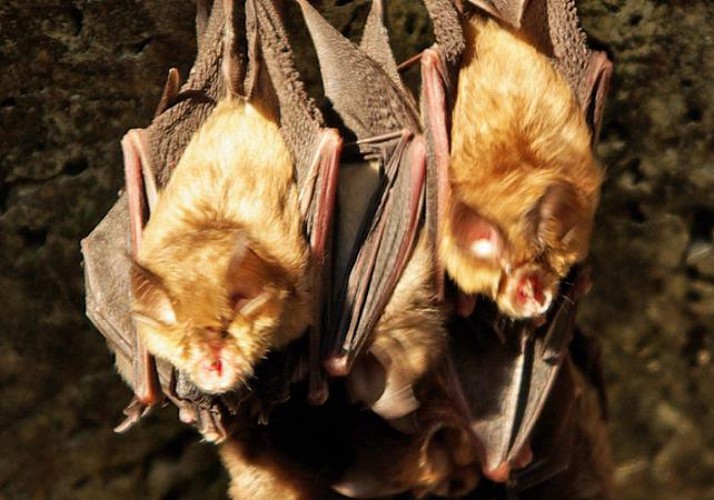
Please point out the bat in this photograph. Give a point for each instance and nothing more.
(523, 180)
(389, 342)
(387, 328)
(504, 376)
(478, 63)
(235, 276)
(210, 293)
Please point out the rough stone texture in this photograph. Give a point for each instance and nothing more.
(77, 74)
(653, 303)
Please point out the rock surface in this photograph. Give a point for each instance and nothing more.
(78, 73)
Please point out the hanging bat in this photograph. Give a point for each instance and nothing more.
(389, 338)
(523, 180)
(505, 126)
(211, 295)
(388, 328)
(230, 266)
(505, 378)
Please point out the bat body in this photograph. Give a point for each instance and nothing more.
(524, 183)
(511, 115)
(409, 337)
(389, 328)
(264, 474)
(407, 341)
(221, 275)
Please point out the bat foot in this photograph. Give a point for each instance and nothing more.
(319, 392)
(135, 411)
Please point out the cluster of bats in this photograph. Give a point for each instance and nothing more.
(375, 297)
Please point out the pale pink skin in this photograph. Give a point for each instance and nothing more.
(215, 368)
(528, 290)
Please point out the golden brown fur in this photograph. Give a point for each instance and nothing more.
(410, 337)
(266, 474)
(521, 159)
(223, 261)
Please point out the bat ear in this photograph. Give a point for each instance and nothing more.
(379, 382)
(476, 234)
(152, 303)
(556, 216)
(597, 78)
(449, 456)
(247, 277)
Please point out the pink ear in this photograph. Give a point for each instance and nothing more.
(151, 301)
(476, 235)
(558, 212)
(245, 276)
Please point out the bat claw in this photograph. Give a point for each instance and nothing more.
(135, 411)
(337, 365)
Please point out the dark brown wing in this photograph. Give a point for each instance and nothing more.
(571, 448)
(375, 44)
(439, 72)
(386, 124)
(507, 371)
(316, 151)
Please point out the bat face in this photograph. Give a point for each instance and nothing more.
(523, 180)
(221, 272)
(213, 332)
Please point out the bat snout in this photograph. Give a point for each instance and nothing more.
(215, 372)
(528, 294)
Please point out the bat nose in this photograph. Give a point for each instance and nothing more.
(530, 297)
(214, 373)
(216, 367)
(530, 289)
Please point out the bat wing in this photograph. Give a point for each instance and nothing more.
(386, 124)
(316, 151)
(570, 443)
(489, 373)
(375, 44)
(507, 372)
(439, 70)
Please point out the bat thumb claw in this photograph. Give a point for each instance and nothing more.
(134, 412)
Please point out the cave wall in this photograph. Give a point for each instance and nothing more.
(77, 74)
